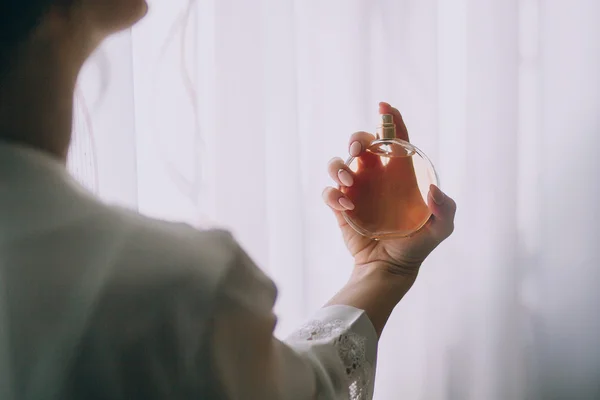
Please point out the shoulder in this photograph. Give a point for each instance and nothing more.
(152, 265)
(162, 278)
(176, 266)
(155, 313)
(150, 252)
(150, 324)
(169, 249)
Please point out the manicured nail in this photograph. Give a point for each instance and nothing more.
(345, 178)
(347, 204)
(438, 196)
(355, 149)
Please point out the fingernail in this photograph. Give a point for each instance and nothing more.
(438, 196)
(345, 177)
(355, 149)
(347, 204)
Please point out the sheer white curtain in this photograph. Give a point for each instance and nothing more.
(225, 112)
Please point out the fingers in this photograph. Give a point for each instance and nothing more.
(340, 173)
(359, 142)
(337, 200)
(401, 131)
(444, 210)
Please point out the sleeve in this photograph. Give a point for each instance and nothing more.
(332, 356)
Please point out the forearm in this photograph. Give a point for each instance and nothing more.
(375, 291)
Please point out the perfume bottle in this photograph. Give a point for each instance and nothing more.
(391, 184)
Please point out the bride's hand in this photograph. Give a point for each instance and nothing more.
(397, 256)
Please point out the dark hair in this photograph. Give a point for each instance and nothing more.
(18, 18)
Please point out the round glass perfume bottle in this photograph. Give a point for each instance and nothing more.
(391, 184)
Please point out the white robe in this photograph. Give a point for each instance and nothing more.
(98, 302)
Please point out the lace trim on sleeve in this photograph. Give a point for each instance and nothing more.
(351, 349)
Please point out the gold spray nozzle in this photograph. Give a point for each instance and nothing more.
(387, 129)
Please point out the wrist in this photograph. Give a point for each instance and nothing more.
(390, 276)
(375, 292)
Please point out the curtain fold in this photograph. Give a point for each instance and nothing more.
(226, 112)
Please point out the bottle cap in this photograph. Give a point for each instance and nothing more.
(387, 129)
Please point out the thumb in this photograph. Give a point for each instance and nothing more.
(443, 209)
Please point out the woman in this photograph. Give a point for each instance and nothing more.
(102, 303)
